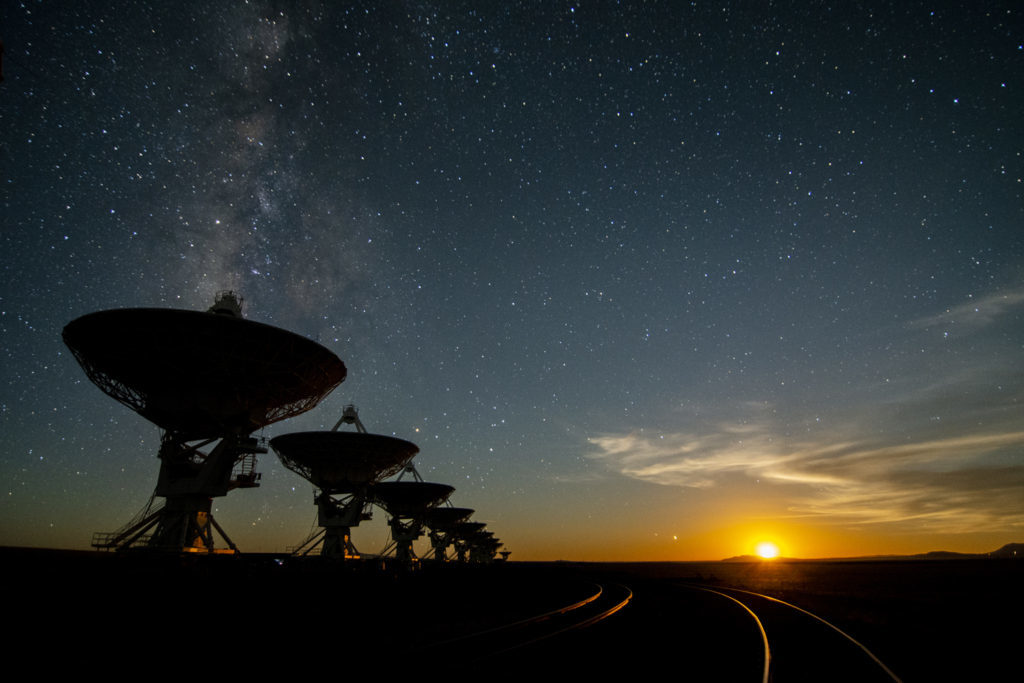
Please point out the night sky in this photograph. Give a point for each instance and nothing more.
(643, 281)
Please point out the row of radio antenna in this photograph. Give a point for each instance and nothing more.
(213, 378)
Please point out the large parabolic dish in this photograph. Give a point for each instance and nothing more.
(410, 498)
(202, 375)
(444, 518)
(466, 530)
(339, 462)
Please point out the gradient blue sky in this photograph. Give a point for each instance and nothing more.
(648, 281)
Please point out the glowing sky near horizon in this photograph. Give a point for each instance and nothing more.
(661, 281)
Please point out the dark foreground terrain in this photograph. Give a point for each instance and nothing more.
(926, 620)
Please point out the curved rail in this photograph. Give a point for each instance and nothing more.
(767, 656)
(764, 636)
(832, 626)
(528, 620)
(506, 637)
(604, 614)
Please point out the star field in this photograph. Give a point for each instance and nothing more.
(623, 272)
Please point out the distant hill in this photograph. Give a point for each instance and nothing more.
(751, 558)
(1010, 550)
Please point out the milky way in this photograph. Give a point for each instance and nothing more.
(628, 275)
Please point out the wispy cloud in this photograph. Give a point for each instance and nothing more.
(949, 485)
(937, 446)
(687, 459)
(973, 314)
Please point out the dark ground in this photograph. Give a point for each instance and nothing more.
(927, 620)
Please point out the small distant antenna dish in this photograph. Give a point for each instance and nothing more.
(410, 498)
(341, 462)
(442, 521)
(445, 518)
(480, 544)
(342, 465)
(203, 378)
(465, 536)
(408, 503)
(484, 549)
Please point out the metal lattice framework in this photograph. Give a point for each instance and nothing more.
(442, 521)
(445, 518)
(202, 375)
(339, 462)
(343, 465)
(408, 503)
(410, 499)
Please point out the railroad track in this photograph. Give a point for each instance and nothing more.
(538, 631)
(798, 645)
(702, 632)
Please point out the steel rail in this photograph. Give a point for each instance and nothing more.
(600, 616)
(544, 616)
(764, 636)
(536, 620)
(835, 628)
(527, 620)
(589, 621)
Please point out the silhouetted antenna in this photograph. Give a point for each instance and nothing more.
(408, 503)
(442, 522)
(203, 377)
(342, 466)
(473, 542)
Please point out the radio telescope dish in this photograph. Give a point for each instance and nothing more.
(199, 374)
(410, 498)
(467, 529)
(484, 549)
(342, 465)
(445, 518)
(201, 377)
(441, 521)
(462, 534)
(342, 461)
(408, 502)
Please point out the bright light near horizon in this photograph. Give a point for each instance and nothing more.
(767, 550)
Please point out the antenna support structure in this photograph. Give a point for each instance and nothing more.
(208, 380)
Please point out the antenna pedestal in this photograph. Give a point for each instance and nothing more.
(337, 517)
(187, 525)
(187, 471)
(403, 534)
(189, 481)
(439, 544)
